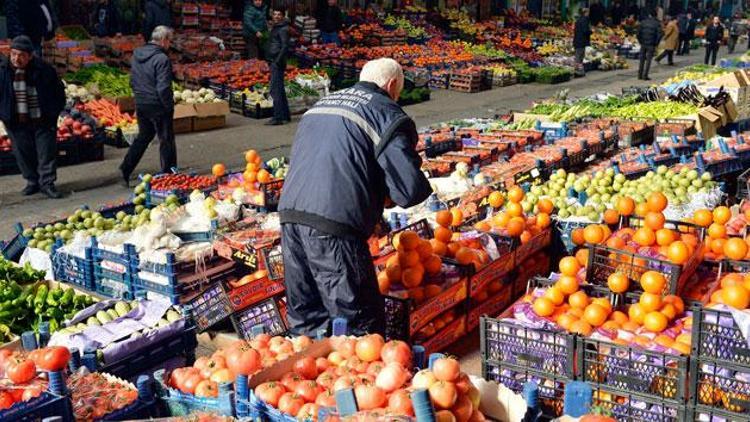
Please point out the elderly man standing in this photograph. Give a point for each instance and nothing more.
(151, 80)
(31, 98)
(354, 152)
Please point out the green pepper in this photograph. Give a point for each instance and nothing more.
(56, 313)
(41, 296)
(7, 315)
(21, 298)
(67, 297)
(57, 292)
(53, 325)
(89, 300)
(51, 301)
(79, 301)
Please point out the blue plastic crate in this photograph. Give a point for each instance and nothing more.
(72, 269)
(13, 248)
(111, 211)
(564, 230)
(182, 404)
(112, 283)
(47, 404)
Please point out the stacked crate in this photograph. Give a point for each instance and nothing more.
(466, 81)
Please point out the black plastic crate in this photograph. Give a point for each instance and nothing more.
(265, 313)
(722, 387)
(743, 185)
(274, 262)
(635, 407)
(271, 194)
(701, 413)
(634, 370)
(717, 336)
(420, 227)
(551, 387)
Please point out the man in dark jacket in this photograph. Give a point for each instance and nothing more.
(105, 18)
(596, 13)
(31, 98)
(278, 49)
(151, 80)
(254, 24)
(649, 35)
(682, 26)
(158, 13)
(581, 37)
(354, 152)
(329, 23)
(617, 13)
(692, 22)
(714, 35)
(736, 28)
(33, 18)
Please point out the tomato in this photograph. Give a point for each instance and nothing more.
(290, 403)
(392, 377)
(463, 409)
(260, 341)
(207, 388)
(32, 392)
(374, 368)
(301, 343)
(6, 400)
(368, 348)
(326, 380)
(344, 382)
(36, 356)
(357, 365)
(400, 403)
(270, 392)
(290, 380)
(322, 364)
(463, 383)
(336, 359)
(243, 361)
(21, 371)
(280, 346)
(201, 362)
(369, 397)
(306, 368)
(444, 416)
(190, 383)
(54, 358)
(309, 411)
(346, 347)
(177, 377)
(446, 369)
(308, 390)
(326, 399)
(5, 356)
(423, 379)
(397, 351)
(221, 375)
(443, 394)
(213, 365)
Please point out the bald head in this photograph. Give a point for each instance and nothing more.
(385, 73)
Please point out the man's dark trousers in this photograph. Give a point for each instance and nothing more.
(328, 277)
(35, 149)
(280, 103)
(711, 51)
(647, 53)
(152, 123)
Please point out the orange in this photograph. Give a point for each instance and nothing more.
(615, 242)
(657, 202)
(424, 249)
(393, 272)
(703, 218)
(496, 199)
(654, 220)
(625, 206)
(545, 206)
(595, 315)
(515, 194)
(606, 230)
(653, 282)
(457, 217)
(682, 348)
(578, 299)
(453, 247)
(576, 312)
(218, 170)
(408, 240)
(675, 301)
(555, 295)
(678, 252)
(442, 234)
(568, 284)
(650, 301)
(618, 282)
(384, 282)
(664, 237)
(515, 226)
(252, 167)
(582, 256)
(249, 176)
(569, 266)
(593, 234)
(264, 176)
(611, 326)
(619, 317)
(566, 320)
(438, 248)
(251, 156)
(722, 215)
(408, 259)
(641, 209)
(412, 277)
(669, 311)
(663, 340)
(644, 236)
(444, 218)
(525, 237)
(542, 220)
(543, 307)
(655, 322)
(581, 327)
(736, 296)
(576, 236)
(630, 326)
(465, 256)
(717, 246)
(735, 248)
(514, 209)
(717, 231)
(603, 302)
(611, 216)
(500, 219)
(636, 313)
(432, 265)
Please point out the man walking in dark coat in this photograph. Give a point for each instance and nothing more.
(151, 80)
(649, 35)
(354, 152)
(682, 26)
(714, 35)
(158, 13)
(581, 38)
(278, 49)
(33, 18)
(254, 24)
(31, 98)
(329, 23)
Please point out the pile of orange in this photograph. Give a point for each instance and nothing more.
(445, 243)
(253, 171)
(718, 245)
(512, 221)
(414, 258)
(734, 291)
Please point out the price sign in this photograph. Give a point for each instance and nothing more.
(533, 176)
(247, 261)
(210, 307)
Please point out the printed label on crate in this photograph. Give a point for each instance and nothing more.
(253, 292)
(492, 272)
(445, 337)
(449, 298)
(490, 307)
(266, 314)
(533, 176)
(633, 383)
(210, 307)
(247, 260)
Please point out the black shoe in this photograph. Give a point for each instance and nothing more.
(30, 190)
(51, 192)
(646, 78)
(274, 122)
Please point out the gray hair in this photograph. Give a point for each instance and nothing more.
(381, 71)
(161, 33)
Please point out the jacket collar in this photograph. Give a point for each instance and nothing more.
(374, 87)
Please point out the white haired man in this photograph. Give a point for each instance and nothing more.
(354, 152)
(151, 80)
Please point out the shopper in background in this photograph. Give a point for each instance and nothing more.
(33, 18)
(105, 18)
(278, 48)
(330, 23)
(596, 13)
(31, 98)
(581, 37)
(617, 13)
(353, 151)
(692, 22)
(151, 80)
(714, 35)
(671, 41)
(736, 28)
(254, 24)
(649, 35)
(158, 13)
(682, 26)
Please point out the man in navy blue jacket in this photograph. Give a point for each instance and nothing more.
(354, 152)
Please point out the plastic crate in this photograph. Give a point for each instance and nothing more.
(723, 387)
(551, 387)
(495, 270)
(743, 185)
(47, 404)
(210, 307)
(13, 248)
(73, 270)
(564, 230)
(274, 262)
(538, 242)
(183, 404)
(633, 370)
(626, 406)
(265, 314)
(717, 336)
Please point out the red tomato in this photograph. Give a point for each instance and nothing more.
(306, 368)
(308, 390)
(446, 369)
(191, 383)
(400, 403)
(374, 368)
(369, 397)
(443, 394)
(270, 392)
(326, 380)
(54, 358)
(322, 364)
(21, 371)
(397, 351)
(368, 348)
(392, 377)
(32, 392)
(308, 412)
(6, 400)
(326, 399)
(290, 403)
(290, 380)
(213, 365)
(207, 388)
(243, 361)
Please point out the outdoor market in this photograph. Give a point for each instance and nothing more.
(450, 212)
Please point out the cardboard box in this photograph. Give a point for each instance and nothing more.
(125, 104)
(183, 118)
(731, 111)
(709, 121)
(734, 83)
(210, 116)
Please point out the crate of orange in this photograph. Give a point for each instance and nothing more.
(492, 300)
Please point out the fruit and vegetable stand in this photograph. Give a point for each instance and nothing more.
(591, 250)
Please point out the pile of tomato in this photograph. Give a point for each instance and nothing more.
(96, 395)
(23, 375)
(181, 182)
